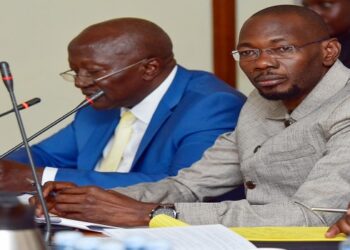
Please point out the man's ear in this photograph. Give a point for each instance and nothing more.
(331, 49)
(152, 69)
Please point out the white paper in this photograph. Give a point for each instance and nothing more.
(24, 198)
(206, 237)
(55, 220)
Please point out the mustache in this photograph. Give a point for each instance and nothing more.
(89, 92)
(268, 76)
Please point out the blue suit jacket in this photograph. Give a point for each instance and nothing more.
(195, 110)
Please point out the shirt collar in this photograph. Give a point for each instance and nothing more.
(144, 110)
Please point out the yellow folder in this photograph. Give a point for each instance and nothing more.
(261, 233)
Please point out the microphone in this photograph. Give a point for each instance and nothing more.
(6, 75)
(8, 80)
(87, 101)
(23, 105)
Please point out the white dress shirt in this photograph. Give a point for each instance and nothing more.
(143, 112)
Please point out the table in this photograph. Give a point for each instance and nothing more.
(331, 245)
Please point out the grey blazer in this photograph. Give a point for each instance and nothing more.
(286, 170)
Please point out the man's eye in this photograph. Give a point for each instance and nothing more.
(285, 49)
(247, 53)
(92, 72)
(326, 5)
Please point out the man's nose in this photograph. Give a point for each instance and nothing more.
(317, 9)
(266, 59)
(83, 82)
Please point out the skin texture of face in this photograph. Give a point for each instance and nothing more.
(110, 46)
(292, 79)
(334, 12)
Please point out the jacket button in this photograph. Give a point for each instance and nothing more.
(250, 184)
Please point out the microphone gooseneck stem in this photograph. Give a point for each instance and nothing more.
(80, 106)
(36, 181)
(6, 113)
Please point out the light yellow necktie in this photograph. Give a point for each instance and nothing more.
(121, 138)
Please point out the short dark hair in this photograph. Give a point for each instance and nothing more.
(312, 19)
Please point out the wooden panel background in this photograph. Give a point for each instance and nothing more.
(224, 30)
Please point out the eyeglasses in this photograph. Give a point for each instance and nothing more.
(71, 76)
(280, 52)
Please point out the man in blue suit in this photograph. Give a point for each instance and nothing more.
(177, 113)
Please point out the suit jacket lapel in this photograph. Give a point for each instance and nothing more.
(332, 82)
(165, 108)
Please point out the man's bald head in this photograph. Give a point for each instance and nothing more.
(133, 57)
(140, 37)
(308, 20)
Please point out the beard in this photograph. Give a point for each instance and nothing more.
(291, 93)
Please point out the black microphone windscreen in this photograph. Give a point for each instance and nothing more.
(5, 69)
(6, 75)
(33, 101)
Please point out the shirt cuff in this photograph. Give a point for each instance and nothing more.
(49, 174)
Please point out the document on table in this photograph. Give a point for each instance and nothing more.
(55, 220)
(163, 220)
(289, 234)
(205, 237)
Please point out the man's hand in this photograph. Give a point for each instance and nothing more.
(341, 226)
(50, 189)
(16, 177)
(94, 204)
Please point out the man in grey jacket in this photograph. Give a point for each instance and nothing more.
(290, 148)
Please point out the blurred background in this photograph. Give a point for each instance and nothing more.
(35, 34)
